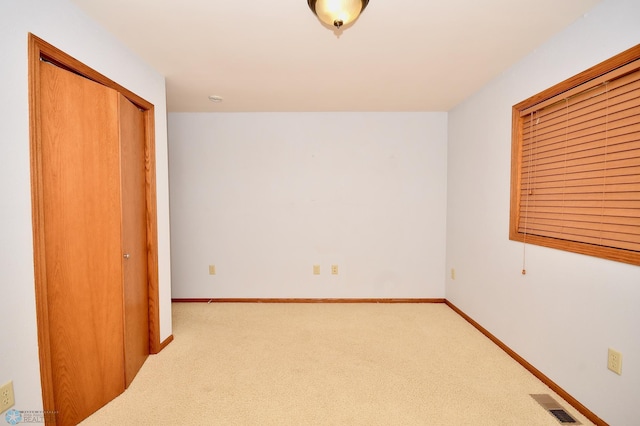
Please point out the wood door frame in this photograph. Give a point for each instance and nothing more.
(38, 50)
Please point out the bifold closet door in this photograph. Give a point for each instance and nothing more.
(94, 240)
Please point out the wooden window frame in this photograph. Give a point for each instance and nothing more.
(590, 77)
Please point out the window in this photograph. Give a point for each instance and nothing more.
(575, 163)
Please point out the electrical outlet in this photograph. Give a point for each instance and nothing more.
(6, 396)
(316, 269)
(334, 269)
(212, 269)
(614, 361)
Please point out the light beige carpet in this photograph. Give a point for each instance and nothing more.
(328, 364)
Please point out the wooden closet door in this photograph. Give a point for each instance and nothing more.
(134, 238)
(82, 219)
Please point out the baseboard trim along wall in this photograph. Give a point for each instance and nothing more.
(544, 379)
(537, 373)
(165, 342)
(298, 300)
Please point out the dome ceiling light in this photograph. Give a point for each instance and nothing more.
(337, 12)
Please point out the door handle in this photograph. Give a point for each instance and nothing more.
(126, 255)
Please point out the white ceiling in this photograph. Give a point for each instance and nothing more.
(400, 55)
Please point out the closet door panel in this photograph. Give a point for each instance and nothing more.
(82, 220)
(134, 238)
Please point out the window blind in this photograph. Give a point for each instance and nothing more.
(577, 167)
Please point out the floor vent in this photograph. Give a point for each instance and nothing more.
(555, 409)
(563, 416)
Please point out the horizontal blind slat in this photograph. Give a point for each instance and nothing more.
(593, 192)
(610, 220)
(625, 142)
(541, 223)
(567, 228)
(559, 169)
(622, 175)
(626, 245)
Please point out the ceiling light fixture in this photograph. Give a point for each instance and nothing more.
(337, 12)
(215, 98)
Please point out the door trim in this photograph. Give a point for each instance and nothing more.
(38, 50)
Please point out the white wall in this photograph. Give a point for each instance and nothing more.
(264, 196)
(63, 25)
(569, 308)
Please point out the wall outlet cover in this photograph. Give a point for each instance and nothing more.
(614, 361)
(7, 399)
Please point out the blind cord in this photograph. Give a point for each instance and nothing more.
(526, 198)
